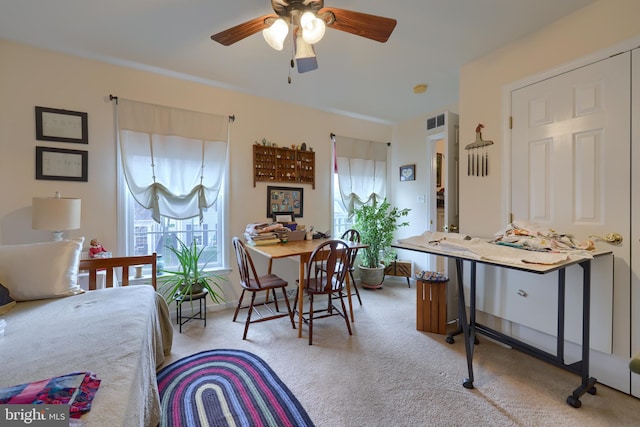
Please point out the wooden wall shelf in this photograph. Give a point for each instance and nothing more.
(279, 164)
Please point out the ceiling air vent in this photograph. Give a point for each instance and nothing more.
(435, 121)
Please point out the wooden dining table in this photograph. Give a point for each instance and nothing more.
(302, 250)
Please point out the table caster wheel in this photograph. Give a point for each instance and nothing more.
(450, 340)
(467, 384)
(592, 391)
(574, 401)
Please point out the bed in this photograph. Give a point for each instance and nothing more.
(120, 334)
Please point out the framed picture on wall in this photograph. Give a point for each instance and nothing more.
(61, 125)
(284, 200)
(408, 173)
(57, 164)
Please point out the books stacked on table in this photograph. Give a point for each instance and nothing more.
(264, 233)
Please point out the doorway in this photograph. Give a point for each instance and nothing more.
(442, 185)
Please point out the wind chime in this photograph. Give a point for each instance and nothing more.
(477, 155)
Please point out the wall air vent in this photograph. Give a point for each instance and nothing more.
(435, 121)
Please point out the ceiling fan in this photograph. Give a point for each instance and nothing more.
(308, 20)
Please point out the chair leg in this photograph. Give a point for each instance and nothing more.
(346, 314)
(295, 301)
(286, 300)
(248, 321)
(310, 319)
(235, 315)
(275, 299)
(353, 282)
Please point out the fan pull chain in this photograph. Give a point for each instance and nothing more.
(292, 62)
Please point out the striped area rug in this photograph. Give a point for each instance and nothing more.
(226, 388)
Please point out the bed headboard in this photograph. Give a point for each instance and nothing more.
(92, 265)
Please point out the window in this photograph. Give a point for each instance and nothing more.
(144, 236)
(341, 220)
(173, 166)
(360, 176)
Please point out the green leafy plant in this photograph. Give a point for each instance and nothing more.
(376, 224)
(190, 278)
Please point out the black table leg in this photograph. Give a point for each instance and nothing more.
(468, 330)
(588, 383)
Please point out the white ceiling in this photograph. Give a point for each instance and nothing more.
(356, 76)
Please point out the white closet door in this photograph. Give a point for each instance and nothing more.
(570, 172)
(635, 215)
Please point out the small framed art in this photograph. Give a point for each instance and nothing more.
(408, 173)
(61, 125)
(58, 164)
(284, 200)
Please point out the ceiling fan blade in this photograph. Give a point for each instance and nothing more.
(244, 30)
(373, 27)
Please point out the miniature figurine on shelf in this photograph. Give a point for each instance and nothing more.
(97, 250)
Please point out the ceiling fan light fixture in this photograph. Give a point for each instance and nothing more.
(276, 33)
(305, 56)
(313, 28)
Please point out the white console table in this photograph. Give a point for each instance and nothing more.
(470, 327)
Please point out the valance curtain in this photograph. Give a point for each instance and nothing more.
(362, 171)
(173, 160)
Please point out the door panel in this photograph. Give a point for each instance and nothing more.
(570, 145)
(635, 210)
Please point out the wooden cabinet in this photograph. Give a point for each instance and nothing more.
(279, 164)
(431, 305)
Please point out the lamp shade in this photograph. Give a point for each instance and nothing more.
(56, 214)
(313, 28)
(276, 33)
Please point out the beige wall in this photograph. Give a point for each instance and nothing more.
(30, 77)
(599, 26)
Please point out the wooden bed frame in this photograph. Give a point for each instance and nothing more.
(124, 263)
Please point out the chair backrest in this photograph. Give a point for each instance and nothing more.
(327, 266)
(92, 265)
(352, 235)
(246, 269)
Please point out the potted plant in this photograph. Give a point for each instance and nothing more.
(190, 278)
(377, 224)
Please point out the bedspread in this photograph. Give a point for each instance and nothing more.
(120, 334)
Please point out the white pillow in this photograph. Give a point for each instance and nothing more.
(40, 270)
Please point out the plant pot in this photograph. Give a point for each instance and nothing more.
(195, 288)
(371, 277)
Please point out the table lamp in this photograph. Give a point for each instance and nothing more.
(56, 214)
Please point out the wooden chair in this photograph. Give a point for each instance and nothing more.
(92, 265)
(353, 235)
(252, 282)
(325, 275)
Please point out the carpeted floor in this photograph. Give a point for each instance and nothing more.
(388, 373)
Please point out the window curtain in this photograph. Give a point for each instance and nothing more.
(173, 160)
(362, 171)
